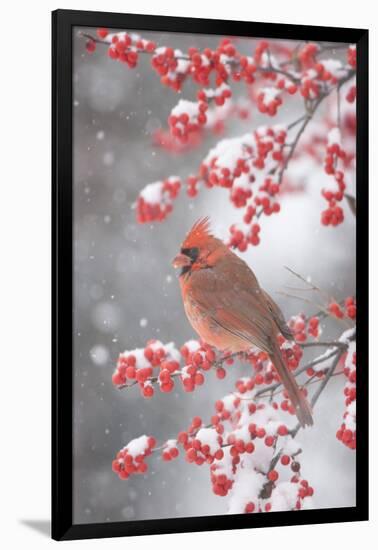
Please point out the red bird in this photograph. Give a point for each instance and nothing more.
(229, 310)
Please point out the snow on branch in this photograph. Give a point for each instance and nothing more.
(155, 201)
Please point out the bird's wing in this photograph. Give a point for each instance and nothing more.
(234, 300)
(278, 317)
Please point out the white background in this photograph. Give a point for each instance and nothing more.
(25, 268)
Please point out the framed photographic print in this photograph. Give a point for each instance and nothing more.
(210, 237)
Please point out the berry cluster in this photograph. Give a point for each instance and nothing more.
(158, 365)
(248, 446)
(241, 190)
(272, 69)
(349, 310)
(242, 235)
(187, 117)
(263, 57)
(130, 459)
(172, 67)
(221, 483)
(352, 56)
(225, 63)
(250, 430)
(317, 74)
(240, 165)
(302, 327)
(170, 450)
(347, 431)
(202, 444)
(199, 358)
(155, 200)
(222, 63)
(193, 183)
(285, 495)
(125, 47)
(330, 70)
(216, 118)
(287, 85)
(334, 151)
(268, 101)
(252, 433)
(315, 140)
(334, 214)
(220, 95)
(310, 88)
(144, 366)
(307, 55)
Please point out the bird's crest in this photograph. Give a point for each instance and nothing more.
(199, 233)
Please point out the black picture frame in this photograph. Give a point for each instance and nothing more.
(63, 22)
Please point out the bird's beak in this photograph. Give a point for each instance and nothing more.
(181, 260)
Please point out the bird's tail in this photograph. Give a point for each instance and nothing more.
(299, 401)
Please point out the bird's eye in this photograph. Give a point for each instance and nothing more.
(192, 253)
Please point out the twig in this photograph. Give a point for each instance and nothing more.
(303, 299)
(336, 344)
(312, 287)
(322, 310)
(313, 401)
(293, 124)
(310, 284)
(306, 120)
(311, 109)
(319, 390)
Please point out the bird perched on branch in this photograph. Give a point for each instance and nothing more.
(229, 310)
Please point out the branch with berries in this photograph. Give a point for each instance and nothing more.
(249, 442)
(253, 167)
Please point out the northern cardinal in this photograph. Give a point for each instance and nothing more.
(227, 307)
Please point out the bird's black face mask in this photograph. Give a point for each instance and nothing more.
(193, 254)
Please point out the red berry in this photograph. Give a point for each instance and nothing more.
(249, 508)
(273, 475)
(117, 379)
(282, 430)
(220, 372)
(285, 460)
(196, 422)
(102, 33)
(90, 46)
(269, 441)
